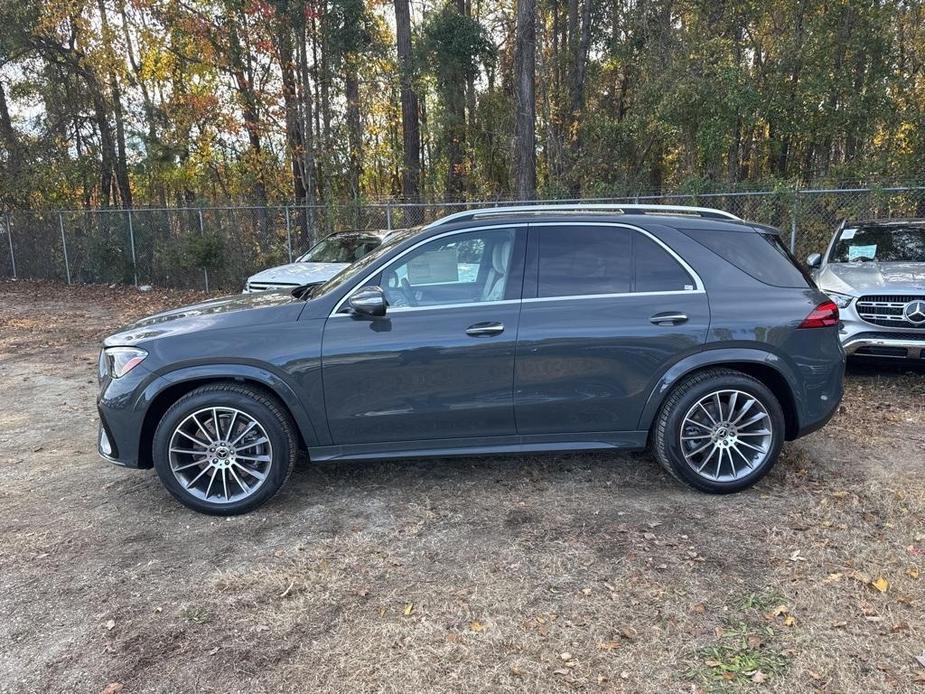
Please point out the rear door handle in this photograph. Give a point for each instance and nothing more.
(485, 329)
(668, 318)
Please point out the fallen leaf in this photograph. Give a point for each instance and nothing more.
(565, 656)
(789, 620)
(921, 659)
(912, 572)
(476, 626)
(110, 625)
(608, 645)
(409, 608)
(759, 677)
(113, 688)
(881, 584)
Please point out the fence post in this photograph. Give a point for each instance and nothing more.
(388, 216)
(202, 231)
(288, 234)
(67, 265)
(131, 240)
(793, 220)
(9, 237)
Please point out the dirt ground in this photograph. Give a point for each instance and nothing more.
(558, 573)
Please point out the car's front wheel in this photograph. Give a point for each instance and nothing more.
(719, 431)
(224, 448)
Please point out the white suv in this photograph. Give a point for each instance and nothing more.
(324, 260)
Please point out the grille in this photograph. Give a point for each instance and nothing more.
(265, 286)
(888, 310)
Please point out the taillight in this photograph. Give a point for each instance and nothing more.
(825, 315)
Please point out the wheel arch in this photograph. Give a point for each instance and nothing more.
(158, 398)
(766, 367)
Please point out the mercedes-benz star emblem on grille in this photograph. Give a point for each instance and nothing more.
(914, 312)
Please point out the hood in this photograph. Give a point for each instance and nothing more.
(229, 311)
(863, 277)
(298, 273)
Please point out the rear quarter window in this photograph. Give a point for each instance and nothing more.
(758, 253)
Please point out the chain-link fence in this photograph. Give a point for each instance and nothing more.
(219, 247)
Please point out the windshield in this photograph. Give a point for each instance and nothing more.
(340, 248)
(348, 273)
(885, 244)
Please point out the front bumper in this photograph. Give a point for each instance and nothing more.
(863, 339)
(122, 405)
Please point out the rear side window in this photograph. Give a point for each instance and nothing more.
(576, 260)
(760, 254)
(656, 270)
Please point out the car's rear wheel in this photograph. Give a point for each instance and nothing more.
(719, 431)
(224, 448)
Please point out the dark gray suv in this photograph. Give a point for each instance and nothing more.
(543, 328)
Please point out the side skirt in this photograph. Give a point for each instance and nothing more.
(491, 445)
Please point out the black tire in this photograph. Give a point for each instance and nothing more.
(268, 412)
(667, 430)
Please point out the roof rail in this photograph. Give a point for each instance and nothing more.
(595, 208)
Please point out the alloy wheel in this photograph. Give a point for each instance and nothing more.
(726, 435)
(220, 454)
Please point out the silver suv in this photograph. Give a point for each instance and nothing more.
(875, 272)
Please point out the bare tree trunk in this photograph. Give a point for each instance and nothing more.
(525, 119)
(354, 124)
(410, 125)
(287, 72)
(121, 163)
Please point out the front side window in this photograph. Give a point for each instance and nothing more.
(459, 269)
(885, 244)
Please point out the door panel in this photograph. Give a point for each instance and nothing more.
(587, 364)
(417, 374)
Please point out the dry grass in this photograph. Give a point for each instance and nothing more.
(561, 573)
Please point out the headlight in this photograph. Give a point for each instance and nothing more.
(841, 300)
(121, 360)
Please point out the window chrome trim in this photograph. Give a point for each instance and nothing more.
(698, 283)
(620, 295)
(337, 307)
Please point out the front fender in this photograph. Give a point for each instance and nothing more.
(710, 357)
(271, 380)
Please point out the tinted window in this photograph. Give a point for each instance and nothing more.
(884, 244)
(576, 260)
(760, 254)
(656, 270)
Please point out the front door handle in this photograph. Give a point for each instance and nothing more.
(485, 329)
(668, 318)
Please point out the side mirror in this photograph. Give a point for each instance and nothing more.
(814, 260)
(368, 301)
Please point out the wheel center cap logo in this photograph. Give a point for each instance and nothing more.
(914, 312)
